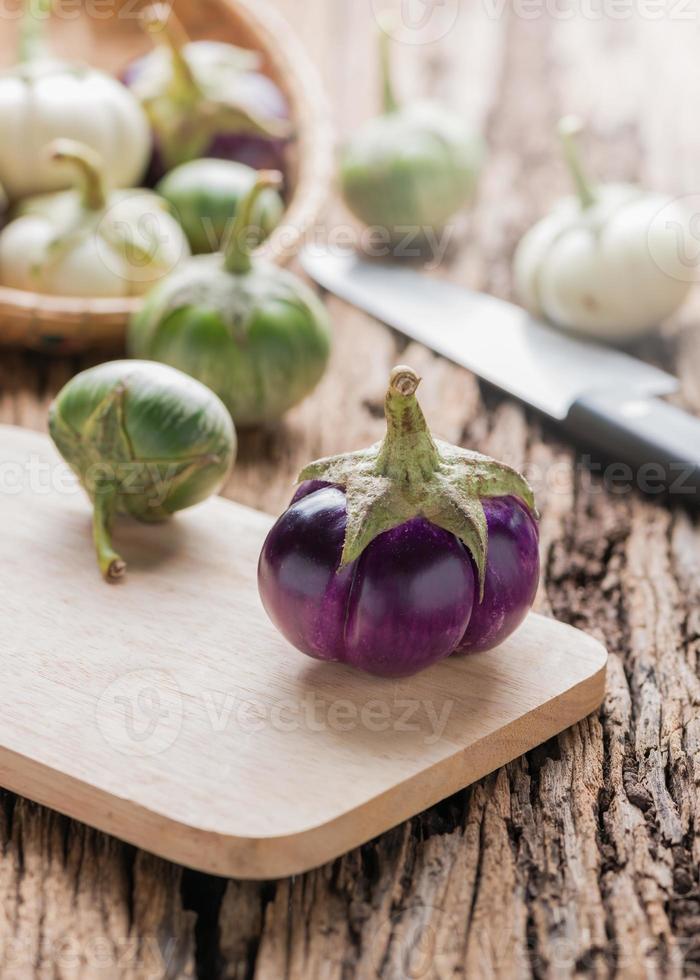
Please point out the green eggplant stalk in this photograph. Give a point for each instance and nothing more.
(144, 440)
(252, 332)
(413, 167)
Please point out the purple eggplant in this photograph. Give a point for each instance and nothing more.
(392, 558)
(206, 99)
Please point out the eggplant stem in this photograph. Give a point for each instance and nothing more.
(389, 101)
(237, 251)
(111, 564)
(408, 452)
(569, 129)
(33, 43)
(88, 166)
(166, 28)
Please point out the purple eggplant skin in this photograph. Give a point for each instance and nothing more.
(259, 152)
(254, 151)
(511, 578)
(260, 94)
(410, 599)
(401, 606)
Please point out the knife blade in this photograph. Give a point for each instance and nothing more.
(600, 395)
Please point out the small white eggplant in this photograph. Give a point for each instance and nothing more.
(610, 262)
(42, 99)
(88, 242)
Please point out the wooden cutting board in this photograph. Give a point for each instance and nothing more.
(168, 711)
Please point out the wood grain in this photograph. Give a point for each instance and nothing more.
(195, 731)
(581, 858)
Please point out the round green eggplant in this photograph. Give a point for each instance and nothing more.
(252, 332)
(144, 440)
(206, 194)
(412, 168)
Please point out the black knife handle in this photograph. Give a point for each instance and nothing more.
(658, 442)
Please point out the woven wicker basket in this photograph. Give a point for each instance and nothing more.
(64, 324)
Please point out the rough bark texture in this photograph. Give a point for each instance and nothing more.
(581, 858)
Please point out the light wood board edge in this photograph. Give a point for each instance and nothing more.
(273, 857)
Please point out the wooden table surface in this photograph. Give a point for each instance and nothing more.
(581, 858)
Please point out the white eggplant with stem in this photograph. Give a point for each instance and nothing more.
(610, 262)
(88, 241)
(43, 98)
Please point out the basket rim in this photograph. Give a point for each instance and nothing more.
(39, 303)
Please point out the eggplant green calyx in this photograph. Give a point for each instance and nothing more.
(88, 165)
(410, 474)
(570, 128)
(237, 258)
